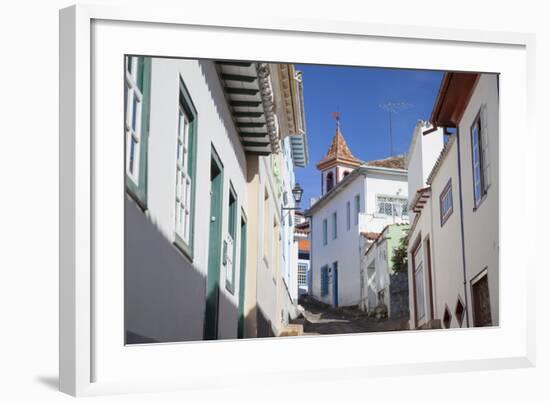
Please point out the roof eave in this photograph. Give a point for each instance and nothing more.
(453, 97)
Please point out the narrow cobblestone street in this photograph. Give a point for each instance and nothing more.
(321, 319)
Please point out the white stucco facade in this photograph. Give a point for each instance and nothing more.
(459, 252)
(377, 267)
(423, 152)
(343, 251)
(150, 313)
(205, 286)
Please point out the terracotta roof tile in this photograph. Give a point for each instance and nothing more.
(371, 236)
(389, 162)
(338, 152)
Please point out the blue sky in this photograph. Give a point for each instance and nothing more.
(357, 92)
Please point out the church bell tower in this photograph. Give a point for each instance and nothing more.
(338, 162)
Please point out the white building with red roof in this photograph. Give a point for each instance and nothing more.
(356, 197)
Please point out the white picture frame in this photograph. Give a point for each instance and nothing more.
(89, 362)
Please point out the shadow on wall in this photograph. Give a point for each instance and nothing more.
(264, 324)
(164, 294)
(399, 295)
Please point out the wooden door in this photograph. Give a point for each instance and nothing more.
(214, 249)
(482, 303)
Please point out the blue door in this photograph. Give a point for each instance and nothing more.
(335, 284)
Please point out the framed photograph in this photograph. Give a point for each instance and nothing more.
(236, 193)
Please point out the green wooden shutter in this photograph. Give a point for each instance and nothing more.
(485, 159)
(139, 191)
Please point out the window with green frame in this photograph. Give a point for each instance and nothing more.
(232, 232)
(185, 171)
(137, 98)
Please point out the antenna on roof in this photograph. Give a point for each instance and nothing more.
(391, 108)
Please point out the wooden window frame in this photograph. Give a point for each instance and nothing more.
(324, 280)
(302, 272)
(232, 220)
(334, 225)
(348, 215)
(325, 232)
(140, 79)
(357, 205)
(186, 105)
(483, 180)
(448, 189)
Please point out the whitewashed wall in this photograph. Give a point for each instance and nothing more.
(215, 128)
(345, 249)
(423, 152)
(481, 226)
(446, 243)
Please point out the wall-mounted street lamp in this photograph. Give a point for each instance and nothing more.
(297, 193)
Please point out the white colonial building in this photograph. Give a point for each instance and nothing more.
(380, 284)
(208, 162)
(356, 198)
(453, 241)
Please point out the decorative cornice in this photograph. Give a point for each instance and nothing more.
(266, 93)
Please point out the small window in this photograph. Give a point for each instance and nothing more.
(446, 202)
(334, 225)
(392, 206)
(302, 274)
(325, 231)
(357, 208)
(330, 180)
(324, 281)
(447, 318)
(348, 215)
(480, 156)
(459, 312)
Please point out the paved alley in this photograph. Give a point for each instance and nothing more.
(318, 318)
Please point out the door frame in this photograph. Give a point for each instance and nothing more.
(242, 273)
(335, 284)
(211, 314)
(478, 277)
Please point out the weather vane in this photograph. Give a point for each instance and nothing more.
(391, 108)
(336, 116)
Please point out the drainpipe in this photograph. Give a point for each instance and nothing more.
(462, 226)
(310, 281)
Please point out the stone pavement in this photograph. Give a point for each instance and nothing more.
(318, 318)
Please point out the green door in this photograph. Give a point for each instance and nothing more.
(214, 249)
(242, 276)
